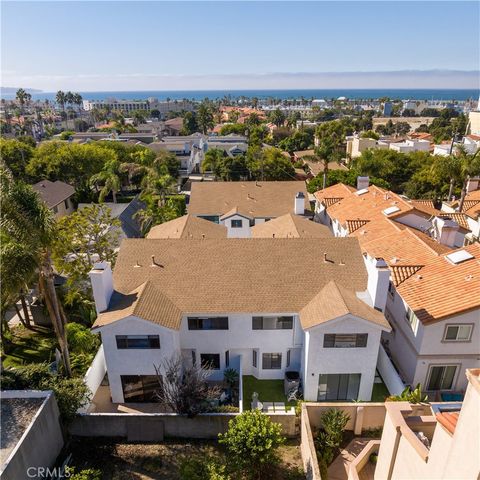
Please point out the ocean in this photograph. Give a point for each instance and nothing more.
(400, 94)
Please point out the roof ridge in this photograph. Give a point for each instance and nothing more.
(339, 292)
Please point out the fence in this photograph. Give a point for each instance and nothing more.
(388, 373)
(95, 374)
(156, 426)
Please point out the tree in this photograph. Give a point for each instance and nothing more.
(16, 155)
(237, 128)
(184, 389)
(330, 437)
(189, 123)
(269, 164)
(300, 140)
(252, 441)
(27, 219)
(277, 117)
(205, 117)
(22, 98)
(470, 167)
(86, 236)
(61, 99)
(213, 162)
(109, 179)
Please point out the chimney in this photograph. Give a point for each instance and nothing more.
(473, 184)
(378, 281)
(363, 182)
(445, 231)
(101, 278)
(299, 206)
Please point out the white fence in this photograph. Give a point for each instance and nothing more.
(95, 374)
(389, 374)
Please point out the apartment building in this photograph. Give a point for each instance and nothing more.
(357, 145)
(428, 289)
(57, 195)
(241, 205)
(265, 306)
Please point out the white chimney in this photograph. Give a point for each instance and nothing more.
(378, 281)
(101, 278)
(363, 182)
(445, 231)
(473, 184)
(299, 207)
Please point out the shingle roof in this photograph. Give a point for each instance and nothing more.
(290, 226)
(218, 276)
(335, 301)
(235, 211)
(258, 199)
(188, 226)
(53, 193)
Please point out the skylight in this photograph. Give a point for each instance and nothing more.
(390, 210)
(362, 191)
(459, 257)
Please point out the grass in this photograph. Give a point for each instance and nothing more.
(268, 391)
(29, 346)
(379, 392)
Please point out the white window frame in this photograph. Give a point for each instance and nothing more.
(457, 340)
(412, 320)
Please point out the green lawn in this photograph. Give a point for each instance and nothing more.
(379, 392)
(268, 391)
(29, 346)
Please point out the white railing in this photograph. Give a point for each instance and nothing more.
(388, 373)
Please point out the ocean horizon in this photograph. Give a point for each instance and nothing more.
(196, 95)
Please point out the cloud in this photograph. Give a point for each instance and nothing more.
(271, 80)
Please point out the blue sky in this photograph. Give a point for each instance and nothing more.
(200, 45)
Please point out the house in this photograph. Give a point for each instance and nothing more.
(428, 289)
(436, 441)
(315, 168)
(57, 195)
(290, 226)
(188, 226)
(125, 213)
(266, 306)
(241, 205)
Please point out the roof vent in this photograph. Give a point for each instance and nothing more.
(153, 264)
(468, 277)
(362, 191)
(390, 210)
(459, 257)
(137, 265)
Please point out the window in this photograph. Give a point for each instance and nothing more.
(208, 323)
(236, 223)
(391, 289)
(338, 386)
(66, 203)
(288, 358)
(441, 377)
(210, 218)
(272, 323)
(254, 359)
(458, 333)
(194, 357)
(227, 358)
(55, 209)
(137, 341)
(335, 340)
(210, 361)
(272, 361)
(412, 319)
(140, 388)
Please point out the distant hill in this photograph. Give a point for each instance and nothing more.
(13, 90)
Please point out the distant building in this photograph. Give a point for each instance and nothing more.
(474, 120)
(57, 195)
(387, 109)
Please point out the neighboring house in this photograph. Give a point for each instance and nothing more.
(439, 441)
(57, 195)
(125, 212)
(188, 226)
(241, 205)
(268, 305)
(315, 168)
(430, 292)
(290, 226)
(357, 145)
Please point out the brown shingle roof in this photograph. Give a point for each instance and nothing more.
(53, 193)
(258, 199)
(335, 301)
(218, 276)
(290, 226)
(188, 226)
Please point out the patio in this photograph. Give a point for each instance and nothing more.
(269, 391)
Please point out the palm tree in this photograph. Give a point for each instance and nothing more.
(110, 180)
(212, 162)
(77, 100)
(470, 167)
(22, 98)
(61, 99)
(26, 219)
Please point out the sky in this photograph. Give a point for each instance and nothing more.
(101, 46)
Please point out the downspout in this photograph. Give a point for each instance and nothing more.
(393, 457)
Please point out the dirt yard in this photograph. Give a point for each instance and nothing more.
(126, 461)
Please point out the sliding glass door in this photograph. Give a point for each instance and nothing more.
(342, 386)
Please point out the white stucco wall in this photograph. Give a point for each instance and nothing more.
(243, 232)
(321, 360)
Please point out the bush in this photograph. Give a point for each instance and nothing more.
(199, 468)
(252, 440)
(330, 437)
(224, 409)
(87, 474)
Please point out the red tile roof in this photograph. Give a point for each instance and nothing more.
(448, 420)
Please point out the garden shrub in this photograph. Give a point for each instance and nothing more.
(202, 468)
